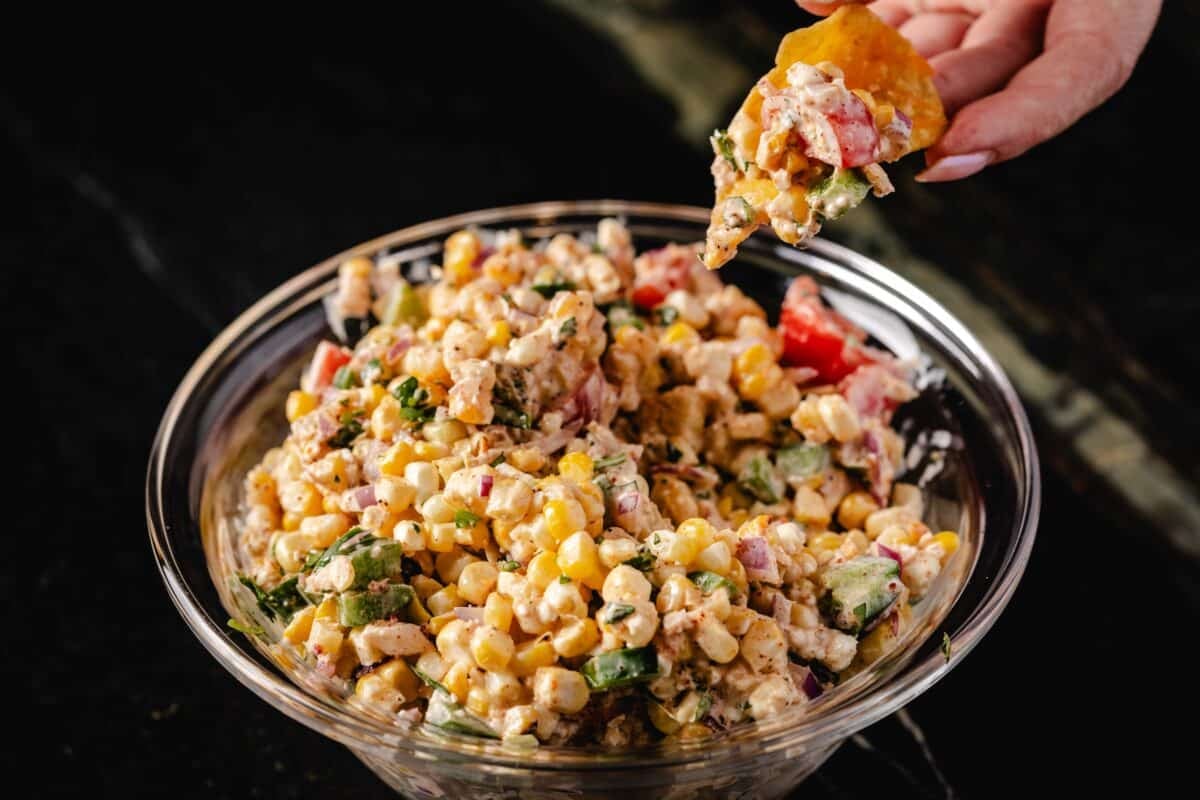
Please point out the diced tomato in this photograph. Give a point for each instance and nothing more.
(854, 128)
(648, 296)
(817, 337)
(326, 361)
(660, 272)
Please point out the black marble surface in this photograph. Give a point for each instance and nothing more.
(160, 187)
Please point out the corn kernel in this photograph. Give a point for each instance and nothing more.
(298, 404)
(531, 655)
(424, 586)
(628, 336)
(450, 565)
(437, 624)
(397, 458)
(577, 557)
(826, 541)
(754, 359)
(576, 467)
(444, 431)
(397, 674)
(694, 730)
(301, 625)
(476, 581)
(714, 558)
(444, 601)
(697, 532)
(498, 267)
(499, 333)
(498, 612)
(327, 610)
(855, 508)
(374, 690)
(491, 649)
(429, 451)
(563, 518)
(680, 333)
(478, 701)
(560, 690)
(527, 459)
(459, 257)
(439, 537)
(948, 540)
(542, 569)
(576, 636)
(457, 680)
(291, 520)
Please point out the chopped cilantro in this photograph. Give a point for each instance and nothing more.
(345, 378)
(724, 146)
(618, 612)
(413, 399)
(609, 461)
(372, 372)
(350, 430)
(548, 290)
(464, 518)
(568, 329)
(509, 566)
(666, 314)
(644, 560)
(497, 461)
(563, 579)
(505, 415)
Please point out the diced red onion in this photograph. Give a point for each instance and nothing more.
(485, 485)
(364, 497)
(895, 623)
(469, 613)
(756, 556)
(326, 426)
(398, 349)
(888, 552)
(812, 687)
(754, 553)
(628, 503)
(556, 441)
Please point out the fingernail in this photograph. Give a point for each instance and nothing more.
(951, 168)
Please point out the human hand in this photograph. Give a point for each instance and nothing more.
(1014, 73)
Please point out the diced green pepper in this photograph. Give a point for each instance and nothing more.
(802, 460)
(760, 479)
(359, 608)
(709, 582)
(403, 306)
(620, 668)
(345, 378)
(375, 561)
(838, 193)
(443, 712)
(859, 591)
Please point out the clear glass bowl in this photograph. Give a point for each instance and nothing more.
(228, 411)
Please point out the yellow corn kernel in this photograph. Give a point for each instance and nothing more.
(576, 467)
(330, 504)
(478, 701)
(298, 404)
(697, 532)
(444, 431)
(826, 541)
(628, 336)
(301, 625)
(578, 558)
(397, 458)
(457, 680)
(450, 565)
(680, 333)
(428, 451)
(499, 334)
(694, 730)
(300, 497)
(397, 674)
(444, 601)
(576, 636)
(424, 586)
(725, 506)
(459, 257)
(714, 558)
(374, 690)
(498, 267)
(737, 574)
(439, 537)
(527, 459)
(563, 518)
(491, 649)
(475, 582)
(542, 569)
(855, 508)
(757, 384)
(373, 394)
(498, 612)
(531, 655)
(948, 540)
(291, 520)
(327, 609)
(436, 624)
(502, 532)
(754, 359)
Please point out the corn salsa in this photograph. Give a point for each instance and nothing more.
(562, 492)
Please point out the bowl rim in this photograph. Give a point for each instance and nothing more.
(826, 726)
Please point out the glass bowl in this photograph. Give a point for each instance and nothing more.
(982, 480)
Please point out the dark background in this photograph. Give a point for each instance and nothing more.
(159, 183)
